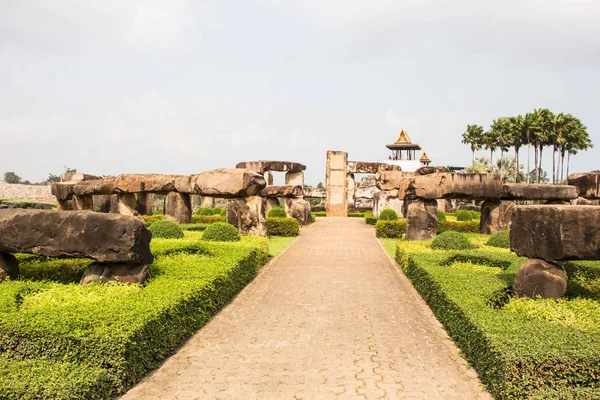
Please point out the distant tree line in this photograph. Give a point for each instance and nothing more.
(565, 134)
(12, 177)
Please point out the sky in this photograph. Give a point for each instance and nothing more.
(180, 87)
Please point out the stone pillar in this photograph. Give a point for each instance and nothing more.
(248, 215)
(207, 202)
(444, 205)
(65, 205)
(387, 199)
(84, 203)
(496, 216)
(143, 203)
(178, 208)
(337, 197)
(125, 204)
(114, 203)
(421, 219)
(299, 209)
(271, 202)
(351, 191)
(268, 178)
(102, 203)
(195, 200)
(294, 178)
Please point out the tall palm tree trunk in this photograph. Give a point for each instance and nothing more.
(568, 162)
(554, 165)
(528, 157)
(540, 166)
(517, 168)
(535, 162)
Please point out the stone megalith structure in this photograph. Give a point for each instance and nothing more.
(248, 215)
(337, 198)
(496, 215)
(421, 219)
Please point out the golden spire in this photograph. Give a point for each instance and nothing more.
(424, 159)
(403, 137)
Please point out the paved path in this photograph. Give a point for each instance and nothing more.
(331, 318)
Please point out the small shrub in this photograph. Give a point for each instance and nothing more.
(467, 226)
(441, 215)
(500, 239)
(371, 220)
(194, 227)
(356, 214)
(166, 230)
(475, 214)
(451, 240)
(221, 232)
(207, 219)
(204, 211)
(388, 215)
(149, 219)
(283, 226)
(390, 228)
(277, 212)
(464, 215)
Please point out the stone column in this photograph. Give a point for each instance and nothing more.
(102, 203)
(207, 202)
(351, 191)
(248, 215)
(125, 204)
(84, 203)
(496, 216)
(143, 203)
(421, 219)
(65, 205)
(294, 178)
(299, 209)
(337, 197)
(387, 199)
(268, 178)
(271, 202)
(178, 208)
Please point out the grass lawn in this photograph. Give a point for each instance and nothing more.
(278, 243)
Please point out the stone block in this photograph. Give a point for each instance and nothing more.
(444, 205)
(298, 209)
(429, 170)
(314, 193)
(587, 184)
(556, 233)
(421, 219)
(271, 202)
(387, 199)
(143, 203)
(294, 178)
(496, 215)
(540, 278)
(178, 207)
(337, 197)
(83, 203)
(361, 167)
(101, 203)
(9, 266)
(580, 201)
(125, 204)
(282, 191)
(123, 273)
(269, 178)
(154, 183)
(449, 185)
(207, 202)
(522, 191)
(391, 180)
(350, 190)
(77, 177)
(103, 237)
(229, 183)
(248, 214)
(269, 165)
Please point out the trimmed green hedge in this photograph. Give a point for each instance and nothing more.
(166, 230)
(356, 214)
(532, 349)
(149, 219)
(457, 226)
(221, 232)
(390, 228)
(209, 211)
(194, 227)
(207, 219)
(277, 212)
(388, 215)
(463, 215)
(319, 213)
(451, 240)
(96, 341)
(371, 220)
(283, 227)
(500, 239)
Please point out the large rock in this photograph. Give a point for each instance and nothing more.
(248, 215)
(124, 273)
(558, 232)
(77, 177)
(282, 191)
(228, 183)
(447, 185)
(387, 199)
(391, 180)
(421, 219)
(587, 184)
(580, 201)
(267, 165)
(540, 278)
(429, 170)
(9, 266)
(350, 191)
(103, 237)
(294, 178)
(298, 209)
(496, 215)
(155, 183)
(521, 191)
(178, 207)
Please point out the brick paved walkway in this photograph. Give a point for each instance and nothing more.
(331, 318)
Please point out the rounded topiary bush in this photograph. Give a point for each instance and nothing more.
(500, 239)
(388, 215)
(218, 211)
(204, 211)
(475, 214)
(166, 230)
(276, 212)
(463, 215)
(221, 232)
(223, 212)
(441, 215)
(451, 240)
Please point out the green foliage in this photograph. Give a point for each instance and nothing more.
(283, 226)
(441, 216)
(25, 203)
(320, 185)
(319, 213)
(221, 232)
(356, 214)
(209, 211)
(277, 212)
(166, 230)
(11, 177)
(521, 349)
(194, 227)
(53, 178)
(207, 219)
(149, 219)
(371, 220)
(451, 240)
(463, 215)
(70, 341)
(390, 228)
(388, 215)
(500, 239)
(468, 226)
(475, 214)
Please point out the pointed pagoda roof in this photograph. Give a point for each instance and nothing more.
(403, 142)
(424, 159)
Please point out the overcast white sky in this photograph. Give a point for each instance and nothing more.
(119, 86)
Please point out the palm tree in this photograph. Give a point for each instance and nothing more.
(528, 127)
(473, 136)
(542, 127)
(578, 140)
(490, 142)
(500, 130)
(517, 136)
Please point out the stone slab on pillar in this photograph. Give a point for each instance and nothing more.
(102, 203)
(388, 199)
(337, 197)
(294, 178)
(143, 203)
(247, 214)
(496, 215)
(299, 209)
(421, 219)
(178, 208)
